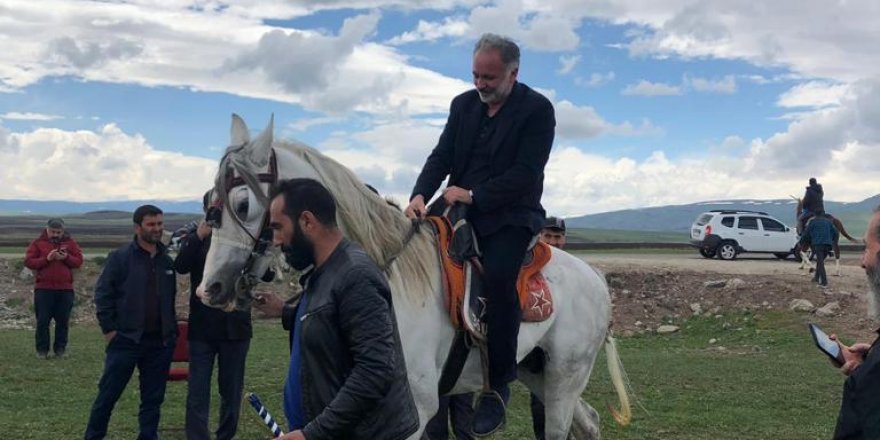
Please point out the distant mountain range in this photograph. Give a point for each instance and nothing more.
(672, 218)
(680, 217)
(57, 207)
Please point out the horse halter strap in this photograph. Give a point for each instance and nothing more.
(229, 180)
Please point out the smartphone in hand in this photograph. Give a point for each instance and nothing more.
(827, 345)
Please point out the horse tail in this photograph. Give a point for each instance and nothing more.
(839, 225)
(615, 371)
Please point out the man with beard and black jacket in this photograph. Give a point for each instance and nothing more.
(347, 376)
(859, 416)
(213, 334)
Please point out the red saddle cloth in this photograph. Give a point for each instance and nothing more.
(535, 297)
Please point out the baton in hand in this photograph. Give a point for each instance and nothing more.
(264, 414)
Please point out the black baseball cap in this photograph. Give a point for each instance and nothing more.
(555, 223)
(55, 223)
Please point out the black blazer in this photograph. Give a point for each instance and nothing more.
(519, 150)
(207, 323)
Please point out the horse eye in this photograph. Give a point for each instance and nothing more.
(242, 209)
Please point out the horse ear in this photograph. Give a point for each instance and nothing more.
(260, 147)
(238, 132)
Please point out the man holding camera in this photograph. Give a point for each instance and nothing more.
(52, 257)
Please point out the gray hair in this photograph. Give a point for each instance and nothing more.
(505, 46)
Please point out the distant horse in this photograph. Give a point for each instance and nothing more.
(571, 337)
(804, 248)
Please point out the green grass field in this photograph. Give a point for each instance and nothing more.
(770, 382)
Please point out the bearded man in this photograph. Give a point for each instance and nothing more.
(859, 416)
(347, 376)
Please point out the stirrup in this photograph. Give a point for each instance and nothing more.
(490, 394)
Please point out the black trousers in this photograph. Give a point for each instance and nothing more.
(459, 410)
(503, 254)
(152, 359)
(231, 356)
(821, 252)
(49, 305)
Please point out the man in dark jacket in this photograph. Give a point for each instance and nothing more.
(347, 376)
(859, 417)
(813, 198)
(213, 333)
(821, 234)
(494, 148)
(134, 300)
(52, 257)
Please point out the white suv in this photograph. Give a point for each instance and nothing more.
(730, 233)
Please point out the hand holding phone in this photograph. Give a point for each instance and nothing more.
(830, 347)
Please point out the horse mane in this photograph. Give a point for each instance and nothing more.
(375, 223)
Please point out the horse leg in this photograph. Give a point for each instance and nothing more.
(586, 422)
(562, 400)
(836, 247)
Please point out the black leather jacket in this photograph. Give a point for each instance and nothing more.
(353, 372)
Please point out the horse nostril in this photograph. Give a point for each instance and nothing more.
(212, 292)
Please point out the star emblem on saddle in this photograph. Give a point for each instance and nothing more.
(541, 304)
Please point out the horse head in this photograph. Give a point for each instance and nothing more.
(238, 214)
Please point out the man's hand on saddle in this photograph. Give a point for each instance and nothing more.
(454, 194)
(853, 355)
(416, 208)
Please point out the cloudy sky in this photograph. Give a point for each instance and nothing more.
(657, 101)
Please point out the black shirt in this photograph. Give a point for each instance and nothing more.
(478, 170)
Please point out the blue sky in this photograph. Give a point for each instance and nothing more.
(657, 102)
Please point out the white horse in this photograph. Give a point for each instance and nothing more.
(571, 337)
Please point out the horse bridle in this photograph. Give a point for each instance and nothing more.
(258, 260)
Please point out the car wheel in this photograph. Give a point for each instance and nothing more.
(782, 256)
(707, 253)
(726, 250)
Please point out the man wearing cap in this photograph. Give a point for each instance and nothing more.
(52, 257)
(554, 232)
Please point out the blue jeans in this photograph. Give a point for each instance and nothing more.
(152, 359)
(230, 357)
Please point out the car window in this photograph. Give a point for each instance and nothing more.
(748, 223)
(727, 221)
(704, 219)
(772, 225)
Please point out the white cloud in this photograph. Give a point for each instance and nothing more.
(567, 63)
(647, 88)
(107, 164)
(29, 116)
(228, 49)
(576, 122)
(815, 94)
(595, 80)
(431, 31)
(725, 85)
(790, 33)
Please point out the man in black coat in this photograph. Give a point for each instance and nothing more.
(859, 416)
(494, 148)
(347, 377)
(134, 303)
(213, 334)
